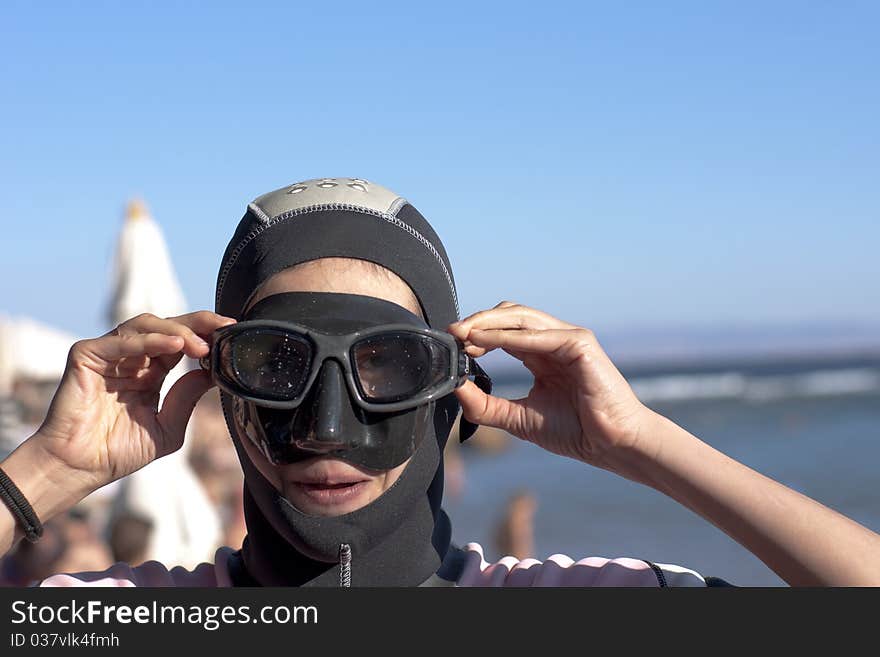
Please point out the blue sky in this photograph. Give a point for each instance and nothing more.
(620, 165)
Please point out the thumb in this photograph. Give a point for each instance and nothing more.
(480, 408)
(178, 405)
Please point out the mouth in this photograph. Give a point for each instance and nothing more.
(331, 493)
(329, 483)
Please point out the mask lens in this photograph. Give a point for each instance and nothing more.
(267, 363)
(395, 366)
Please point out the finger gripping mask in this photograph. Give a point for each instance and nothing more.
(335, 392)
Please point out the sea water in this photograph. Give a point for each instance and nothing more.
(813, 425)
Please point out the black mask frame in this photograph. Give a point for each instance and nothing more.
(317, 347)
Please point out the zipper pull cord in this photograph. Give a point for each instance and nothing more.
(345, 565)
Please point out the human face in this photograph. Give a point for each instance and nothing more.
(323, 485)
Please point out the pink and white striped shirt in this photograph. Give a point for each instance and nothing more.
(556, 570)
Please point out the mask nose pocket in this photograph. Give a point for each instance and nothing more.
(322, 414)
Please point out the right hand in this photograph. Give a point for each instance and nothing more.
(104, 422)
(580, 405)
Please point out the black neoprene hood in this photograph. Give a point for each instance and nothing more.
(401, 538)
(337, 217)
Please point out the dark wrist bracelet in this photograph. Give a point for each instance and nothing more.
(20, 508)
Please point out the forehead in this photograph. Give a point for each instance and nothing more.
(342, 275)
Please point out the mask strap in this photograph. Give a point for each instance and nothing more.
(484, 382)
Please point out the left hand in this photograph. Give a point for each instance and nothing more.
(580, 405)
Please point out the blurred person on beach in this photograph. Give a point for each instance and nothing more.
(215, 463)
(340, 291)
(130, 535)
(453, 470)
(515, 532)
(69, 544)
(86, 550)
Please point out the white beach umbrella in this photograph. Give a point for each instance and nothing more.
(32, 350)
(186, 526)
(144, 277)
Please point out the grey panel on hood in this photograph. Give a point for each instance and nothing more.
(321, 191)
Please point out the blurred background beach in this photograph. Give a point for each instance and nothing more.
(697, 184)
(811, 423)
